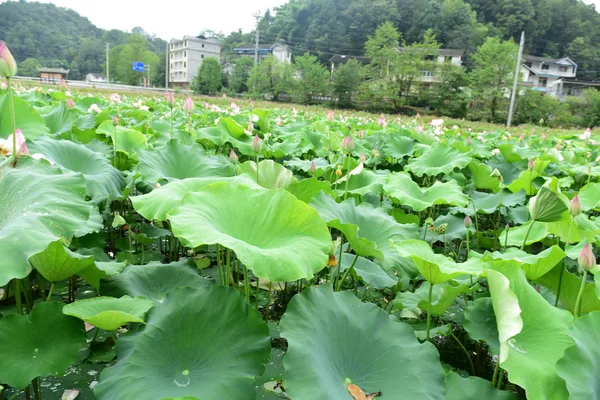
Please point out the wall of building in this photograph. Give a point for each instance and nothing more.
(186, 56)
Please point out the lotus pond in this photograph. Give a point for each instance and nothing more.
(152, 249)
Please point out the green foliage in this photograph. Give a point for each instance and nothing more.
(311, 79)
(271, 77)
(30, 67)
(209, 78)
(123, 56)
(241, 72)
(346, 82)
(533, 107)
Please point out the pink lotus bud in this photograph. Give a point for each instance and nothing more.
(63, 84)
(381, 121)
(8, 65)
(530, 164)
(361, 134)
(521, 137)
(348, 144)
(115, 120)
(330, 115)
(250, 126)
(586, 259)
(468, 221)
(313, 167)
(251, 105)
(257, 144)
(363, 159)
(586, 135)
(7, 145)
(170, 97)
(278, 121)
(189, 105)
(558, 146)
(233, 157)
(418, 115)
(420, 128)
(70, 104)
(575, 206)
(543, 136)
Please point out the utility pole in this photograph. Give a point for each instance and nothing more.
(167, 68)
(148, 75)
(107, 64)
(513, 97)
(257, 16)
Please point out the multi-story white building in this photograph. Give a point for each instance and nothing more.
(186, 56)
(281, 52)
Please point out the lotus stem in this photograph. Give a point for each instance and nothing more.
(257, 170)
(466, 353)
(267, 311)
(429, 298)
(577, 309)
(468, 244)
(339, 282)
(527, 235)
(500, 380)
(37, 393)
(257, 291)
(50, 292)
(476, 223)
(246, 288)
(562, 266)
(227, 266)
(13, 121)
(339, 261)
(505, 239)
(17, 289)
(347, 177)
(496, 370)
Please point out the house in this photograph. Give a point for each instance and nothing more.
(281, 52)
(227, 69)
(556, 77)
(53, 74)
(338, 60)
(185, 58)
(438, 57)
(95, 78)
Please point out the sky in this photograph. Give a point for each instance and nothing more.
(173, 18)
(176, 18)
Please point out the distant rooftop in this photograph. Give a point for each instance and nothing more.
(547, 60)
(54, 70)
(260, 46)
(441, 52)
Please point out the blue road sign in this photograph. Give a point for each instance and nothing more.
(138, 66)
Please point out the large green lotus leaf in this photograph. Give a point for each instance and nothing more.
(517, 234)
(371, 273)
(589, 196)
(583, 229)
(368, 229)
(526, 179)
(549, 205)
(102, 267)
(438, 159)
(398, 146)
(509, 171)
(436, 268)
(403, 190)
(361, 184)
(40, 205)
(442, 297)
(570, 288)
(159, 202)
(533, 334)
(26, 118)
(535, 265)
(473, 388)
(195, 344)
(58, 263)
(321, 165)
(580, 365)
(128, 141)
(45, 342)
(306, 189)
(276, 235)
(234, 129)
(482, 176)
(480, 323)
(455, 229)
(488, 203)
(152, 281)
(103, 181)
(335, 339)
(58, 118)
(177, 161)
(109, 312)
(271, 175)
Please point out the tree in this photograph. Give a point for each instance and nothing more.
(238, 81)
(448, 95)
(122, 58)
(30, 67)
(312, 78)
(495, 62)
(271, 77)
(346, 82)
(209, 77)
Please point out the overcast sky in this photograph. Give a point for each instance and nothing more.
(175, 18)
(172, 18)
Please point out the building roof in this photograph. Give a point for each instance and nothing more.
(548, 60)
(260, 46)
(54, 70)
(342, 59)
(441, 52)
(199, 38)
(576, 81)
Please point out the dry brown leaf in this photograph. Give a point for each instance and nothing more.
(357, 393)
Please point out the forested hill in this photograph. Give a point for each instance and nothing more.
(51, 36)
(553, 27)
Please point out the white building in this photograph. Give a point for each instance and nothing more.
(281, 52)
(186, 56)
(95, 78)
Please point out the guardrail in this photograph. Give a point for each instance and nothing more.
(101, 85)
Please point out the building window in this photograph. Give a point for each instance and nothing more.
(562, 69)
(184, 64)
(545, 66)
(202, 56)
(426, 73)
(202, 45)
(185, 44)
(543, 82)
(185, 53)
(171, 65)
